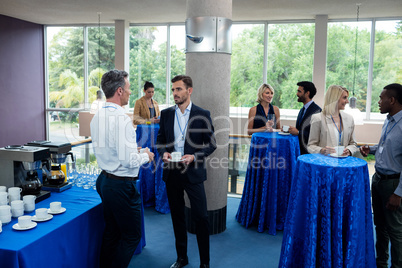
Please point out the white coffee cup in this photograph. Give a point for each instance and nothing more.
(29, 202)
(41, 213)
(3, 189)
(14, 190)
(176, 156)
(5, 210)
(24, 221)
(142, 150)
(16, 212)
(3, 198)
(339, 150)
(55, 206)
(5, 219)
(13, 197)
(285, 129)
(14, 193)
(17, 204)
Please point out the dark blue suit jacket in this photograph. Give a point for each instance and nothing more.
(304, 126)
(200, 140)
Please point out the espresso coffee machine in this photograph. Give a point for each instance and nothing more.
(21, 166)
(54, 174)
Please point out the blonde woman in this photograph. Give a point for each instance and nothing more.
(332, 127)
(146, 109)
(264, 116)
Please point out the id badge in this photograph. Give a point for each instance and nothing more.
(380, 149)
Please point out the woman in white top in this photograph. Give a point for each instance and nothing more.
(332, 127)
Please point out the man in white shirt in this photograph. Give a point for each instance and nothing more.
(116, 151)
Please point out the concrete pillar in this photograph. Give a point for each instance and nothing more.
(210, 72)
(320, 57)
(122, 45)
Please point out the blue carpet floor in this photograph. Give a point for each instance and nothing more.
(235, 247)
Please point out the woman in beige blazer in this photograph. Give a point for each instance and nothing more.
(146, 109)
(332, 127)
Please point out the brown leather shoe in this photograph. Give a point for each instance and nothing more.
(180, 263)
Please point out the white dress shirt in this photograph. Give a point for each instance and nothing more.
(180, 127)
(114, 142)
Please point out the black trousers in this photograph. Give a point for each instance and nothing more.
(122, 213)
(176, 184)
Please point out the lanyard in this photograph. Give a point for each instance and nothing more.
(178, 122)
(339, 130)
(387, 132)
(109, 107)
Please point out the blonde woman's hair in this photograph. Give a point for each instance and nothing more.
(331, 99)
(261, 90)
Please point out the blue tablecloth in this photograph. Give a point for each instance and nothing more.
(71, 239)
(153, 188)
(267, 184)
(329, 220)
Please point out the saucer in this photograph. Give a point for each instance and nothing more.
(284, 133)
(62, 210)
(175, 161)
(17, 227)
(338, 156)
(49, 217)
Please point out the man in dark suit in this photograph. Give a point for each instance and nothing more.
(305, 93)
(187, 129)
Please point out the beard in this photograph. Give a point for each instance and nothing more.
(180, 101)
(300, 99)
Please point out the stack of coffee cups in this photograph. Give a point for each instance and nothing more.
(14, 193)
(3, 198)
(29, 203)
(5, 214)
(17, 208)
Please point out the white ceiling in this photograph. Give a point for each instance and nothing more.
(56, 12)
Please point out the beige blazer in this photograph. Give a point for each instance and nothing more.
(322, 133)
(141, 111)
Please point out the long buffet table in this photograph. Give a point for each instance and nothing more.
(70, 239)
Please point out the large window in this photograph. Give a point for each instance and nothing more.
(65, 66)
(149, 56)
(342, 66)
(148, 61)
(289, 53)
(177, 55)
(290, 60)
(247, 63)
(71, 85)
(387, 65)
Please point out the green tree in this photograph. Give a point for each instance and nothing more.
(72, 94)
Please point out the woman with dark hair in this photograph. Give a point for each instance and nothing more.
(146, 109)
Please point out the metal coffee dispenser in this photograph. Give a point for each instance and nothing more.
(21, 166)
(55, 176)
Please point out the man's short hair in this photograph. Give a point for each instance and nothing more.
(186, 80)
(112, 80)
(308, 86)
(395, 91)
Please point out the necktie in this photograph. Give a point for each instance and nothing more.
(299, 118)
